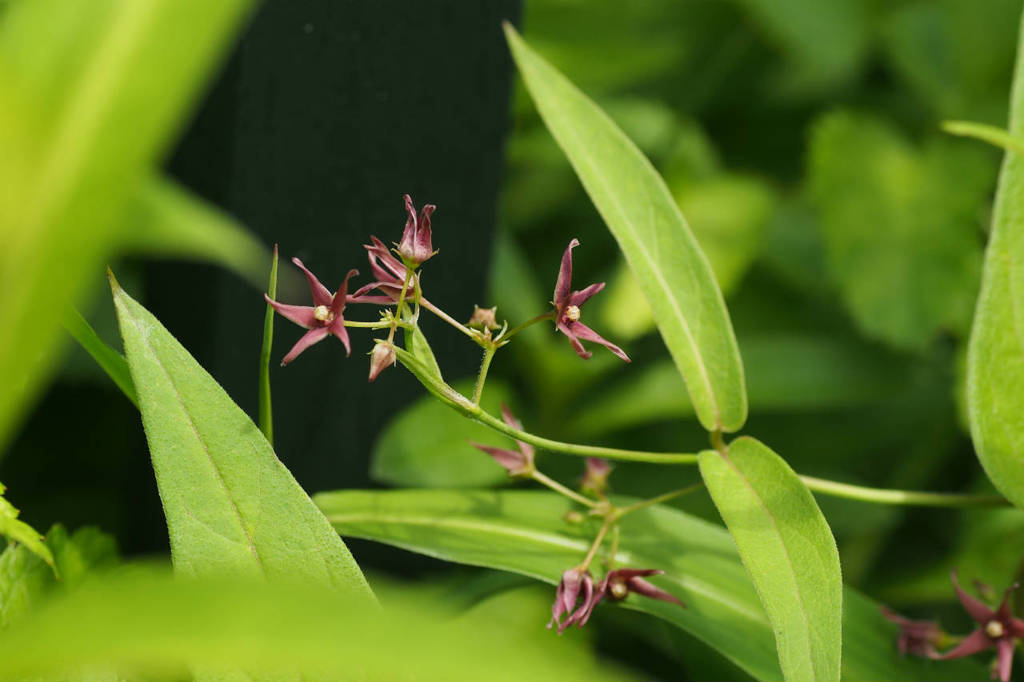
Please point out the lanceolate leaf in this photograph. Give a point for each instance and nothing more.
(788, 550)
(231, 506)
(636, 205)
(524, 532)
(995, 357)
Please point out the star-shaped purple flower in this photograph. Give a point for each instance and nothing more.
(324, 318)
(574, 585)
(567, 309)
(998, 629)
(516, 463)
(917, 637)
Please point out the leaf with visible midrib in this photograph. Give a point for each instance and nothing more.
(231, 506)
(788, 550)
(995, 355)
(525, 532)
(668, 263)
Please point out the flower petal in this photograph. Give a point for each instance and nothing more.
(978, 611)
(341, 297)
(337, 327)
(302, 315)
(308, 339)
(514, 462)
(576, 345)
(321, 294)
(578, 298)
(514, 422)
(564, 282)
(587, 334)
(641, 586)
(1004, 613)
(1004, 651)
(384, 265)
(971, 644)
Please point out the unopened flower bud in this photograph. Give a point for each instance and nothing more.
(574, 517)
(416, 246)
(483, 318)
(383, 355)
(595, 477)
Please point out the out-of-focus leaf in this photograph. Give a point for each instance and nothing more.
(788, 550)
(643, 217)
(109, 360)
(165, 219)
(784, 373)
(144, 621)
(16, 530)
(995, 356)
(825, 41)
(524, 532)
(900, 226)
(428, 444)
(93, 92)
(25, 579)
(231, 506)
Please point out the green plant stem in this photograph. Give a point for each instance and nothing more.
(376, 325)
(529, 323)
(266, 412)
(585, 564)
(481, 378)
(447, 318)
(613, 551)
(561, 489)
(664, 497)
(401, 304)
(986, 133)
(910, 498)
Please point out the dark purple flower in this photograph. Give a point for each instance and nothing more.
(567, 309)
(321, 319)
(917, 637)
(574, 595)
(595, 477)
(415, 246)
(389, 273)
(616, 585)
(383, 356)
(998, 629)
(516, 463)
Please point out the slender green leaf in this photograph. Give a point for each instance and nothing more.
(788, 550)
(109, 360)
(524, 532)
(231, 506)
(658, 245)
(428, 444)
(995, 356)
(986, 133)
(146, 622)
(165, 219)
(417, 344)
(92, 95)
(266, 404)
(16, 530)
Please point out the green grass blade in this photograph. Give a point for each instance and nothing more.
(109, 360)
(645, 220)
(266, 404)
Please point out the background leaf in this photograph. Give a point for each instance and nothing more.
(995, 356)
(231, 506)
(642, 215)
(524, 532)
(788, 550)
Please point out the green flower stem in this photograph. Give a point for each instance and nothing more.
(481, 378)
(377, 325)
(401, 303)
(665, 497)
(585, 564)
(529, 323)
(561, 489)
(448, 318)
(909, 498)
(266, 416)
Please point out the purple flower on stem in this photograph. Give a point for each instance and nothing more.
(575, 583)
(998, 629)
(595, 477)
(415, 246)
(325, 317)
(616, 585)
(917, 637)
(567, 309)
(516, 463)
(389, 273)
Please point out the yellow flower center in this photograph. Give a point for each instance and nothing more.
(994, 629)
(323, 313)
(618, 589)
(573, 312)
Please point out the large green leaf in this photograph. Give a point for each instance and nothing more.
(524, 532)
(788, 550)
(995, 357)
(231, 506)
(17, 531)
(145, 622)
(639, 210)
(92, 93)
